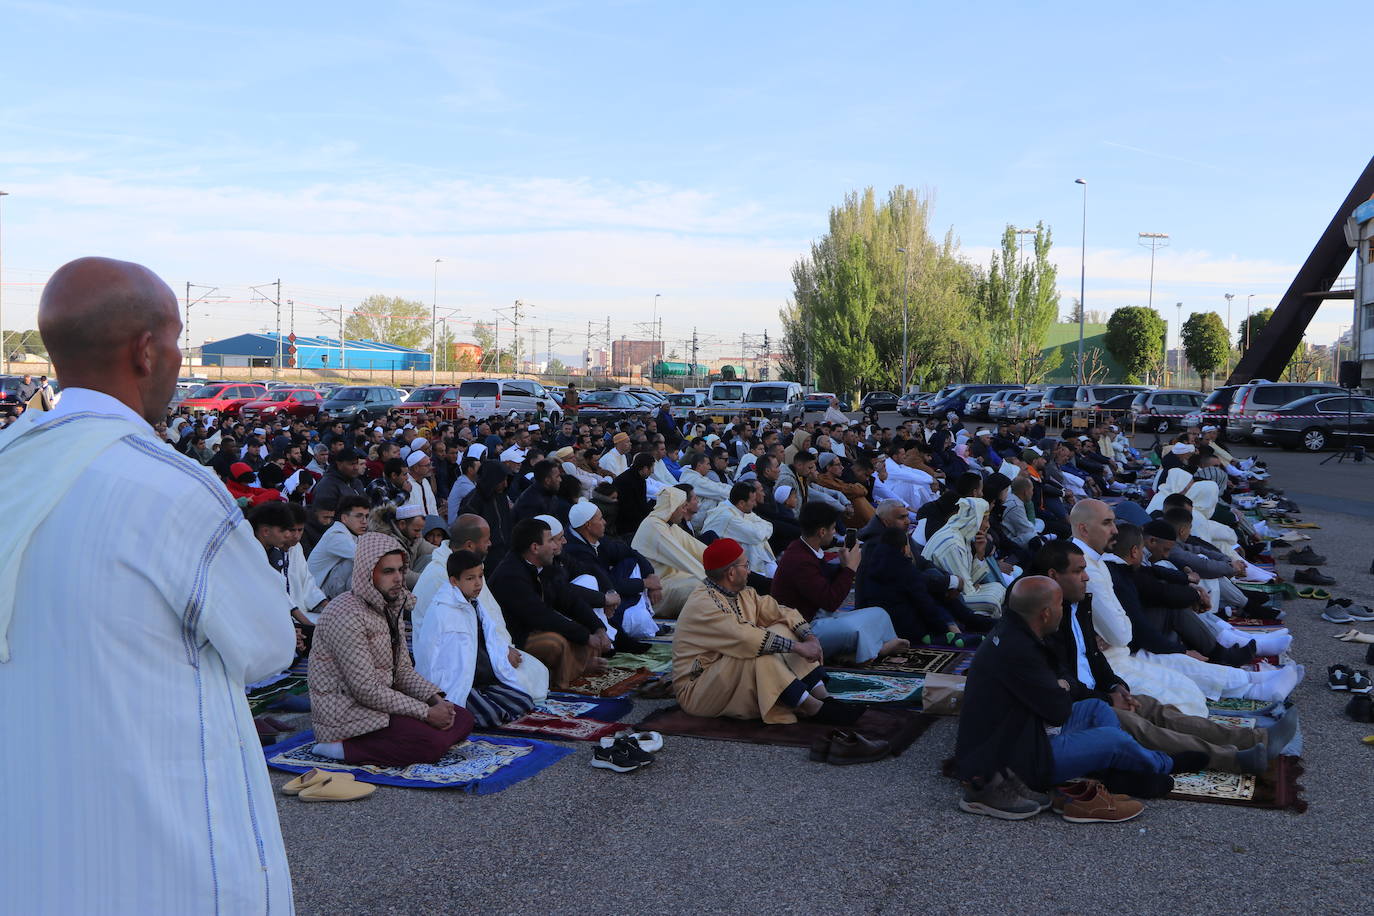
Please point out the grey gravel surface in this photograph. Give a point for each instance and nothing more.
(720, 827)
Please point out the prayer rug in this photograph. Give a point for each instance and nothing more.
(607, 709)
(1256, 622)
(1285, 589)
(657, 658)
(870, 687)
(481, 765)
(899, 727)
(1239, 705)
(1278, 787)
(265, 694)
(919, 660)
(561, 728)
(615, 682)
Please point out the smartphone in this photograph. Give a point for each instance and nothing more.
(851, 537)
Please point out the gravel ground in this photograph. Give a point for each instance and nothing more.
(720, 827)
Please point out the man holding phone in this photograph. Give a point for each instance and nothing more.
(815, 588)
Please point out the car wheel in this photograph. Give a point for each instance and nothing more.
(1314, 439)
(1162, 426)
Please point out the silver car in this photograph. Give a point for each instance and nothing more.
(1254, 397)
(997, 405)
(1165, 408)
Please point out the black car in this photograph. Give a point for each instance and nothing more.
(610, 406)
(1317, 421)
(878, 400)
(1214, 410)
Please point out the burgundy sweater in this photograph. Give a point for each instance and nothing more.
(807, 583)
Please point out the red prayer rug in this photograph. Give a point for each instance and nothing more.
(565, 728)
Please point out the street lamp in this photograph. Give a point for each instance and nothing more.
(1153, 241)
(906, 269)
(653, 329)
(1247, 321)
(4, 350)
(434, 327)
(1229, 347)
(1178, 373)
(1082, 276)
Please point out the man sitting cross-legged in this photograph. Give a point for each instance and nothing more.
(1015, 698)
(609, 566)
(545, 615)
(465, 650)
(741, 655)
(1153, 724)
(368, 705)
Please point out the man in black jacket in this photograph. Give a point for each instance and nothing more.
(619, 570)
(1015, 696)
(488, 499)
(342, 478)
(539, 497)
(633, 494)
(545, 615)
(1154, 725)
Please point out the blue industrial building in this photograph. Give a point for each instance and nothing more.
(259, 351)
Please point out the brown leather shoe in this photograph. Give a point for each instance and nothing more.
(850, 747)
(1093, 804)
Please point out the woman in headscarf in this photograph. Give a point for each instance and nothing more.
(953, 550)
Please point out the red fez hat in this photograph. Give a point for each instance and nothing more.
(721, 553)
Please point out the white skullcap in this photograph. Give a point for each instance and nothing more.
(570, 468)
(415, 458)
(410, 426)
(983, 432)
(515, 454)
(412, 511)
(581, 513)
(419, 442)
(1182, 448)
(1205, 429)
(476, 450)
(1084, 439)
(554, 524)
(534, 428)
(1115, 429)
(259, 431)
(781, 493)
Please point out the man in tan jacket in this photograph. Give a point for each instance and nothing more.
(368, 704)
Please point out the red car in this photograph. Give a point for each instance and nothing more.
(434, 401)
(283, 402)
(225, 397)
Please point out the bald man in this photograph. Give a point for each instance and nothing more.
(174, 609)
(1015, 693)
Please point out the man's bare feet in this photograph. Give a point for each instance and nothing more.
(893, 646)
(598, 665)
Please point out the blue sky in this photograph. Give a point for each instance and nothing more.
(585, 156)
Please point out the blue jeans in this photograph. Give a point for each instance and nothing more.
(1092, 740)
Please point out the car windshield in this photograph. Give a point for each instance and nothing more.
(351, 394)
(605, 398)
(727, 392)
(682, 400)
(425, 395)
(768, 395)
(276, 397)
(207, 391)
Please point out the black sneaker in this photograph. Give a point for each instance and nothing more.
(1305, 556)
(621, 757)
(1359, 682)
(1359, 708)
(1310, 576)
(1338, 677)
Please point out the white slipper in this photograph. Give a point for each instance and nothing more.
(649, 742)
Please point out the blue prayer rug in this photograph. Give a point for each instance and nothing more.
(481, 765)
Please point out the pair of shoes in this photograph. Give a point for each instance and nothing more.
(998, 798)
(1310, 576)
(1338, 677)
(1352, 610)
(622, 755)
(1335, 613)
(843, 748)
(327, 786)
(1087, 801)
(1306, 556)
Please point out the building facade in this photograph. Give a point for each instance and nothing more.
(264, 351)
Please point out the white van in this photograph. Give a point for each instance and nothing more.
(726, 397)
(487, 397)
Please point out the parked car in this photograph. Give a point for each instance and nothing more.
(1089, 396)
(490, 396)
(433, 401)
(1056, 404)
(686, 403)
(283, 402)
(924, 402)
(1163, 408)
(225, 397)
(654, 396)
(955, 397)
(1022, 405)
(876, 401)
(1117, 407)
(362, 402)
(997, 402)
(610, 406)
(1254, 397)
(1316, 421)
(650, 403)
(906, 404)
(977, 405)
(817, 400)
(1213, 411)
(725, 398)
(778, 401)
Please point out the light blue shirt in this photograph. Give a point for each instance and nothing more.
(1085, 671)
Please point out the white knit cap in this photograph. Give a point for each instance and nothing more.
(554, 524)
(411, 511)
(581, 513)
(475, 450)
(418, 442)
(415, 458)
(781, 493)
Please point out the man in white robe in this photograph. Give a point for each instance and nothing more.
(710, 491)
(735, 518)
(421, 491)
(613, 461)
(175, 609)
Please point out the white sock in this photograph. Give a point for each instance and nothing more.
(331, 749)
(1274, 685)
(806, 695)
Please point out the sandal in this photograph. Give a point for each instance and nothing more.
(309, 778)
(1307, 591)
(338, 787)
(1320, 594)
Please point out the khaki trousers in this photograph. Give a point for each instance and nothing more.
(1167, 729)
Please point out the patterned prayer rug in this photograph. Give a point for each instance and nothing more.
(918, 660)
(607, 709)
(870, 687)
(1278, 787)
(1233, 705)
(481, 766)
(614, 682)
(264, 694)
(657, 658)
(562, 728)
(1262, 625)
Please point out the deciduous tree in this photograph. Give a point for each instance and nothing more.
(1135, 337)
